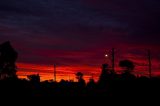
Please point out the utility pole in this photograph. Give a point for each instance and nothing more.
(113, 59)
(91, 76)
(149, 63)
(55, 72)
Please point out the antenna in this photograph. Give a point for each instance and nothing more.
(55, 72)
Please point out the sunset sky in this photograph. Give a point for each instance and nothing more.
(76, 34)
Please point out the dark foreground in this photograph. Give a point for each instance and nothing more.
(138, 87)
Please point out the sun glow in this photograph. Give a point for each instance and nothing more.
(46, 72)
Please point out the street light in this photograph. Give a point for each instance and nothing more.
(106, 58)
(106, 55)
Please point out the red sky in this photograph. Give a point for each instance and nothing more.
(76, 34)
(89, 62)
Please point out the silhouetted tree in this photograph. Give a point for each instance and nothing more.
(91, 84)
(8, 57)
(81, 81)
(128, 68)
(35, 78)
(127, 65)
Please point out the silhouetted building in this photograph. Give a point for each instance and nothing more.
(128, 67)
(104, 73)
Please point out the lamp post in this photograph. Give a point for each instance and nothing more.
(112, 58)
(106, 57)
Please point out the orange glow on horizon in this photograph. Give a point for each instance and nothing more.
(63, 72)
(68, 72)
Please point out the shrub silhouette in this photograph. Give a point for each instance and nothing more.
(127, 65)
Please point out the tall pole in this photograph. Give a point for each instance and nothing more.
(55, 72)
(149, 63)
(91, 76)
(113, 59)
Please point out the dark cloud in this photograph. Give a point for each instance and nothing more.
(77, 25)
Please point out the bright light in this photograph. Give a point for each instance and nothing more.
(106, 55)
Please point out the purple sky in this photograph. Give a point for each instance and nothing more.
(79, 32)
